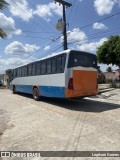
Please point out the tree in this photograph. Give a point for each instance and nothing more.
(3, 4)
(2, 34)
(109, 69)
(109, 52)
(8, 72)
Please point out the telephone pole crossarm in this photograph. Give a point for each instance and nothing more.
(64, 3)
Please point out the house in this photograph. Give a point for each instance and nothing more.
(112, 75)
(117, 74)
(4, 79)
(109, 75)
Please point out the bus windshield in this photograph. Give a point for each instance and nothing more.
(78, 58)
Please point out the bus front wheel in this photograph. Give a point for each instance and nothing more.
(36, 94)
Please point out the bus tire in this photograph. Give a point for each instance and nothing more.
(14, 90)
(36, 94)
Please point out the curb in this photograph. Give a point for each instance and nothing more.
(105, 90)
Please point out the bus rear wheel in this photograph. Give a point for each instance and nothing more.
(36, 94)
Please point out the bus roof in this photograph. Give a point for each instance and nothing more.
(51, 55)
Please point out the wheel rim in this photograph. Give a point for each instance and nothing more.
(35, 94)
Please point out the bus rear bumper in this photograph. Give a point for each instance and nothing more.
(77, 93)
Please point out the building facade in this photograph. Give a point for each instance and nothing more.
(4, 79)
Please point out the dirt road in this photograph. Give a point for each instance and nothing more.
(56, 124)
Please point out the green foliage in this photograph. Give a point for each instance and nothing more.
(3, 4)
(101, 79)
(109, 69)
(2, 34)
(109, 52)
(109, 80)
(8, 72)
(116, 84)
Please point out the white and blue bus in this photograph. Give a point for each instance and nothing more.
(68, 74)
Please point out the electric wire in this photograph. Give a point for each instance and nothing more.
(71, 10)
(103, 19)
(32, 20)
(41, 13)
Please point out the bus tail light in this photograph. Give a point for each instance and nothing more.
(70, 84)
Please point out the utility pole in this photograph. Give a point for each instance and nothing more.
(65, 4)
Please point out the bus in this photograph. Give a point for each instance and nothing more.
(67, 74)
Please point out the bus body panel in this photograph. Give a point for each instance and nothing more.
(49, 85)
(84, 82)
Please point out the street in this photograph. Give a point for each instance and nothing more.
(58, 124)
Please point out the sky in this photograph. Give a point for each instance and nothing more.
(32, 34)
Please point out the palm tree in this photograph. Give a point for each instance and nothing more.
(3, 4)
(2, 34)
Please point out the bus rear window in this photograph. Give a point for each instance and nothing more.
(83, 59)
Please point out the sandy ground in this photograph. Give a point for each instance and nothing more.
(91, 124)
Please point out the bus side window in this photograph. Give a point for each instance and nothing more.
(19, 72)
(48, 66)
(59, 60)
(63, 63)
(53, 65)
(22, 71)
(15, 72)
(43, 67)
(25, 71)
(38, 68)
(29, 70)
(34, 69)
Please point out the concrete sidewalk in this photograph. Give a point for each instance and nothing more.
(110, 96)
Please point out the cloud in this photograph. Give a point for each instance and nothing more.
(99, 26)
(47, 48)
(12, 63)
(8, 25)
(19, 49)
(20, 8)
(76, 35)
(104, 6)
(91, 47)
(48, 10)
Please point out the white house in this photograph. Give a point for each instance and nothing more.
(4, 79)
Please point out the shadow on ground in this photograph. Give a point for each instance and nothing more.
(77, 105)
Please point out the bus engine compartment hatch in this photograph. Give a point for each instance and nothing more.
(84, 80)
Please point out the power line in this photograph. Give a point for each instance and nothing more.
(103, 19)
(55, 49)
(31, 19)
(118, 13)
(41, 13)
(107, 31)
(87, 40)
(36, 37)
(75, 11)
(71, 10)
(38, 50)
(27, 31)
